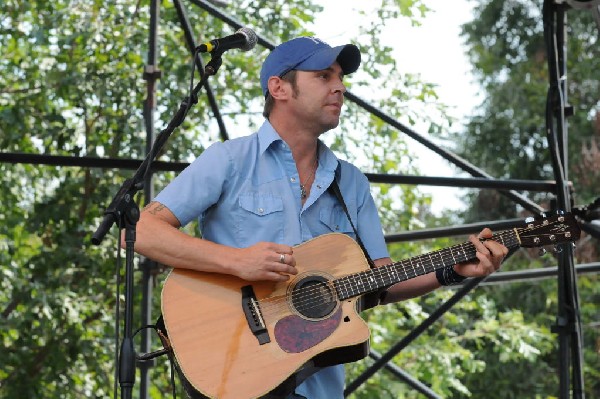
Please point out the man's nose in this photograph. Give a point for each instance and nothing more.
(339, 86)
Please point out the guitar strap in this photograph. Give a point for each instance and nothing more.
(335, 189)
(371, 300)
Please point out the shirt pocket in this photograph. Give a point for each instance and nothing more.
(335, 220)
(261, 218)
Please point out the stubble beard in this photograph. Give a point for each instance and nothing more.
(321, 124)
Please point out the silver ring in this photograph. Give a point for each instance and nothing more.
(282, 258)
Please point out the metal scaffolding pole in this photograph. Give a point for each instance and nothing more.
(568, 322)
(151, 74)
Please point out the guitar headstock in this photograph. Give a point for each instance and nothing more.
(549, 230)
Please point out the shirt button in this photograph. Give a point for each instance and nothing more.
(260, 210)
(319, 186)
(293, 179)
(337, 227)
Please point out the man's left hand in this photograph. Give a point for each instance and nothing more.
(490, 255)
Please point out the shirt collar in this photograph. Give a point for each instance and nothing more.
(267, 135)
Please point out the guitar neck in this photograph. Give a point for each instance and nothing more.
(374, 279)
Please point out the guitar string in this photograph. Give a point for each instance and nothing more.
(300, 299)
(446, 255)
(409, 270)
(308, 295)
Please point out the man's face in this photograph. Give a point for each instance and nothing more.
(318, 97)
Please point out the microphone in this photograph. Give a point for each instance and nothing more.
(244, 39)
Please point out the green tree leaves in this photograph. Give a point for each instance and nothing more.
(72, 84)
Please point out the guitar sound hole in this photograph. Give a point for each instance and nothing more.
(313, 298)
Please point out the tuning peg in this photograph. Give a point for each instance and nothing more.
(529, 222)
(557, 249)
(542, 251)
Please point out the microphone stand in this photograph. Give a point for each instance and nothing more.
(125, 213)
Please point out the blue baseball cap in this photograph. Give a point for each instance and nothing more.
(307, 54)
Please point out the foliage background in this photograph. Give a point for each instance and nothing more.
(72, 85)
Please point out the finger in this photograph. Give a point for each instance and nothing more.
(485, 233)
(290, 260)
(499, 253)
(485, 264)
(283, 249)
(479, 246)
(496, 248)
(274, 276)
(286, 267)
(284, 258)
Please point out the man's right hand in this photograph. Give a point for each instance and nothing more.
(265, 261)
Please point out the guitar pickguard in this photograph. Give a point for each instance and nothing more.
(295, 334)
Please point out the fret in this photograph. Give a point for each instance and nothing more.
(452, 253)
(470, 251)
(352, 286)
(415, 272)
(404, 270)
(361, 282)
(443, 263)
(364, 281)
(383, 277)
(349, 286)
(422, 266)
(356, 287)
(337, 284)
(502, 240)
(512, 239)
(357, 284)
(463, 253)
(343, 289)
(370, 280)
(412, 266)
(395, 276)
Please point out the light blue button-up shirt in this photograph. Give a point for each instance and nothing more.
(247, 190)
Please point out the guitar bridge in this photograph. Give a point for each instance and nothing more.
(254, 315)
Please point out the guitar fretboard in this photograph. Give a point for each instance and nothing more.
(372, 280)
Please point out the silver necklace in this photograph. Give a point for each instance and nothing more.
(303, 192)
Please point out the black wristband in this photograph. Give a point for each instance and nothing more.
(448, 276)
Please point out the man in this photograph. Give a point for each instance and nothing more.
(257, 196)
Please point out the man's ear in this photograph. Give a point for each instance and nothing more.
(279, 89)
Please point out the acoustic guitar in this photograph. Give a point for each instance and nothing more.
(235, 339)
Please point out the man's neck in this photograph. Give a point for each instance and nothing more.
(301, 141)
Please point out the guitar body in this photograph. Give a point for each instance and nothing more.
(222, 356)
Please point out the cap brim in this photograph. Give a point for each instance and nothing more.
(348, 56)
